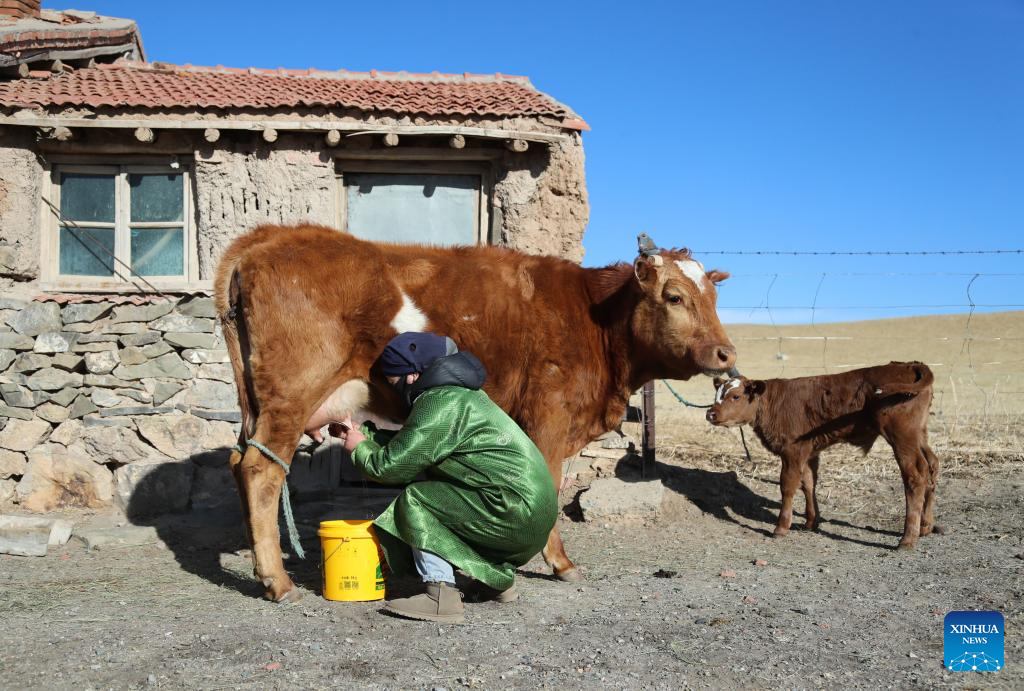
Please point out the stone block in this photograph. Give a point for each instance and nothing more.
(18, 397)
(11, 303)
(97, 338)
(141, 313)
(137, 410)
(180, 323)
(53, 379)
(125, 328)
(141, 339)
(59, 477)
(84, 312)
(15, 341)
(51, 412)
(6, 358)
(81, 407)
(22, 435)
(93, 347)
(169, 366)
(67, 361)
(615, 498)
(7, 411)
(222, 415)
(80, 328)
(105, 398)
(162, 390)
(64, 397)
(204, 356)
(151, 489)
(95, 420)
(204, 341)
(12, 463)
(102, 538)
(212, 395)
(30, 362)
(67, 432)
(219, 371)
(132, 355)
(37, 318)
(117, 444)
(135, 395)
(55, 342)
(110, 382)
(178, 436)
(102, 362)
(155, 350)
(198, 307)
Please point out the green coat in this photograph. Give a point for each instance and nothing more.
(488, 503)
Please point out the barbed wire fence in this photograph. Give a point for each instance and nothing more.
(975, 350)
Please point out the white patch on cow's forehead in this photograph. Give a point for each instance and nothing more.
(409, 317)
(726, 388)
(693, 270)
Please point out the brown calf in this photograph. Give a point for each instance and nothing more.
(797, 419)
(306, 311)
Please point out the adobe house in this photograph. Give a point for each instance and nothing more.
(121, 181)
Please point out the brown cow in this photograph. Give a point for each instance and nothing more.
(306, 311)
(797, 419)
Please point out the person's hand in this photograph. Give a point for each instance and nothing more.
(353, 436)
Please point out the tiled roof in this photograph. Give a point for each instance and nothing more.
(157, 85)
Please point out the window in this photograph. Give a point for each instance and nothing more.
(114, 217)
(404, 205)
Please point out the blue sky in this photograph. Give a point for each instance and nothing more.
(727, 125)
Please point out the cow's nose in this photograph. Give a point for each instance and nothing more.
(711, 416)
(726, 356)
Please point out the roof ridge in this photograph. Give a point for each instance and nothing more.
(316, 73)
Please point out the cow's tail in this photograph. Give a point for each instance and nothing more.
(922, 381)
(229, 302)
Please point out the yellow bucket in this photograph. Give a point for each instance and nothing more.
(352, 561)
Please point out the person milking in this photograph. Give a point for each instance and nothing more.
(487, 503)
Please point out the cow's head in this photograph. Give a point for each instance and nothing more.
(736, 401)
(675, 320)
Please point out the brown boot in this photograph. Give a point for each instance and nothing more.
(441, 603)
(483, 593)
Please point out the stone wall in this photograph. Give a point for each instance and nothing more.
(106, 404)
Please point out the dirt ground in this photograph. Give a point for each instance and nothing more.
(834, 609)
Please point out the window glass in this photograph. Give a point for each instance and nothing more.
(82, 251)
(420, 208)
(158, 251)
(87, 197)
(156, 198)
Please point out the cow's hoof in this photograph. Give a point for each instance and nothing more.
(570, 575)
(281, 590)
(779, 532)
(905, 546)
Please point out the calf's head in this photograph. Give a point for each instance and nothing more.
(736, 401)
(675, 320)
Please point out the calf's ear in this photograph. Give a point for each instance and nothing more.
(756, 387)
(718, 381)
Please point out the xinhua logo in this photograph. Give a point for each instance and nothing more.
(973, 641)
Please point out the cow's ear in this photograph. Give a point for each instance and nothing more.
(756, 387)
(646, 269)
(718, 381)
(716, 276)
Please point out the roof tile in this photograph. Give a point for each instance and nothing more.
(159, 85)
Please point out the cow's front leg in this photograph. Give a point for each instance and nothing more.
(262, 480)
(810, 485)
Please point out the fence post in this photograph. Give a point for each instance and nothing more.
(648, 442)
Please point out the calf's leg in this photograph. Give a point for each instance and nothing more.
(810, 485)
(915, 472)
(789, 480)
(928, 517)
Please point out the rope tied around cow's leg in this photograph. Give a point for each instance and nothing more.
(286, 500)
